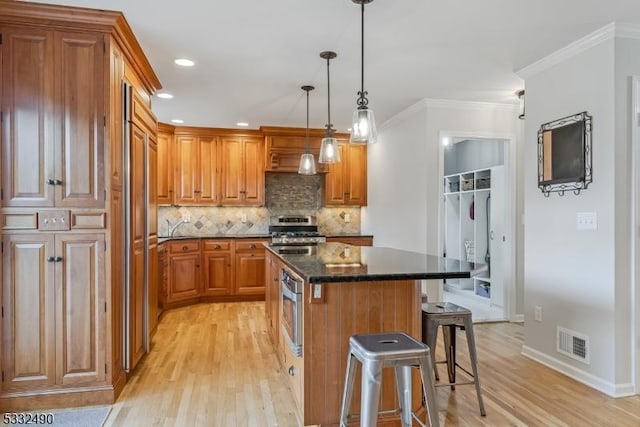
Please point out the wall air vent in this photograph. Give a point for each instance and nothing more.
(573, 344)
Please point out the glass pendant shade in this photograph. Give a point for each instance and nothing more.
(363, 127)
(329, 150)
(307, 164)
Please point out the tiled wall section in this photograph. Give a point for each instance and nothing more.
(293, 191)
(228, 220)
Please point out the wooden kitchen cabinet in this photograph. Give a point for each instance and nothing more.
(242, 171)
(249, 268)
(272, 295)
(196, 179)
(184, 271)
(54, 300)
(53, 112)
(218, 271)
(346, 181)
(164, 174)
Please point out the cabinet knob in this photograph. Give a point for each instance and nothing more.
(252, 246)
(51, 182)
(51, 259)
(185, 248)
(57, 182)
(58, 259)
(216, 246)
(292, 371)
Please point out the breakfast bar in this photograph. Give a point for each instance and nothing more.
(317, 299)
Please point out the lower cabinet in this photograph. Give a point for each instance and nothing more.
(212, 270)
(272, 268)
(54, 302)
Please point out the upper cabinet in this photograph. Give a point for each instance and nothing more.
(53, 118)
(346, 182)
(196, 179)
(164, 185)
(242, 171)
(284, 146)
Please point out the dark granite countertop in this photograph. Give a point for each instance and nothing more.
(216, 236)
(349, 235)
(338, 262)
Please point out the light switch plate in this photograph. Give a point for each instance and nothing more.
(586, 221)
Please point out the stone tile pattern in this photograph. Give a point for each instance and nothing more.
(293, 191)
(228, 220)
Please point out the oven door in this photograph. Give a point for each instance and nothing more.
(292, 319)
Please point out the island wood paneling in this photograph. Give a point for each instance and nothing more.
(352, 308)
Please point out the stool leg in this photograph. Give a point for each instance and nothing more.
(403, 382)
(370, 399)
(432, 337)
(348, 390)
(429, 390)
(449, 333)
(471, 341)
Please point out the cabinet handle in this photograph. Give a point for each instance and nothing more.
(197, 191)
(57, 259)
(51, 182)
(185, 248)
(51, 259)
(252, 246)
(292, 371)
(216, 246)
(57, 182)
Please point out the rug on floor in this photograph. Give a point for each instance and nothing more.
(81, 417)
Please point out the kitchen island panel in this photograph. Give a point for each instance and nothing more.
(356, 308)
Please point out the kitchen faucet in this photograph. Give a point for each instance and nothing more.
(172, 229)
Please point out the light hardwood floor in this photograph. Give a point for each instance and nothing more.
(214, 365)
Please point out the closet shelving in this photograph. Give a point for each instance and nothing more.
(473, 217)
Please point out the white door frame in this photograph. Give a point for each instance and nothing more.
(510, 179)
(635, 226)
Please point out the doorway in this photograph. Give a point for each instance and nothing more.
(476, 211)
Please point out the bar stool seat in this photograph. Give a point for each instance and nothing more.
(378, 351)
(451, 316)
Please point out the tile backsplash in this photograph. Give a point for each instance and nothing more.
(250, 220)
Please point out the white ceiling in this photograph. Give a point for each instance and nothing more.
(252, 56)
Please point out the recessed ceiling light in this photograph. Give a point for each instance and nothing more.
(165, 95)
(178, 121)
(184, 62)
(243, 124)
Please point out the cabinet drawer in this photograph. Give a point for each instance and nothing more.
(217, 245)
(184, 247)
(249, 245)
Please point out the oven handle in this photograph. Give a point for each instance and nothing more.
(287, 293)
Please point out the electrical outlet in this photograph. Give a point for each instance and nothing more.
(586, 221)
(243, 217)
(186, 217)
(347, 217)
(537, 313)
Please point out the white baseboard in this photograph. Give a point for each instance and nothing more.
(517, 318)
(606, 387)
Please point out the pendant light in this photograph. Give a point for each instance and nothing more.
(329, 151)
(307, 162)
(363, 125)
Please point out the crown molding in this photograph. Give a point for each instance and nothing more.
(418, 106)
(609, 31)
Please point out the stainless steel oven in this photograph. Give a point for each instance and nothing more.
(291, 285)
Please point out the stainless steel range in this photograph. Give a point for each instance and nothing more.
(295, 230)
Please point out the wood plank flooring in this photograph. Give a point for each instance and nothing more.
(214, 365)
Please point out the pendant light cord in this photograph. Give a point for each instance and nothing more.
(306, 138)
(329, 125)
(362, 50)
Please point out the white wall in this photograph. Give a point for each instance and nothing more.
(404, 175)
(581, 278)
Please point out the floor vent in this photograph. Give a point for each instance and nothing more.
(573, 344)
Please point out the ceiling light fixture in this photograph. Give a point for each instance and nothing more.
(184, 62)
(177, 121)
(243, 124)
(363, 124)
(307, 162)
(329, 151)
(520, 95)
(165, 95)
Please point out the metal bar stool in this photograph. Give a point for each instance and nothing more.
(378, 351)
(451, 316)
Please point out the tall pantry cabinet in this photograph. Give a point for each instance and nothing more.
(62, 209)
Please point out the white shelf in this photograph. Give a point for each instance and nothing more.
(483, 279)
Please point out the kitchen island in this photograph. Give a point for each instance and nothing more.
(345, 290)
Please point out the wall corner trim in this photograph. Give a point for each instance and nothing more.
(609, 31)
(606, 387)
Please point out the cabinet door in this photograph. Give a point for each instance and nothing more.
(28, 289)
(336, 179)
(208, 193)
(217, 274)
(250, 277)
(154, 283)
(152, 185)
(28, 129)
(80, 116)
(186, 170)
(253, 172)
(232, 180)
(184, 277)
(356, 187)
(80, 309)
(164, 185)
